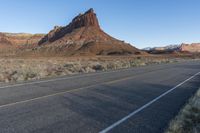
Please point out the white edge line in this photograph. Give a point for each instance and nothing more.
(144, 106)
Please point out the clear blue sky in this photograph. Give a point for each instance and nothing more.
(143, 23)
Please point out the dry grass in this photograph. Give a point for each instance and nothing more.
(18, 69)
(188, 120)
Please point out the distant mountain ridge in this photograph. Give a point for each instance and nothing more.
(82, 36)
(193, 47)
(190, 48)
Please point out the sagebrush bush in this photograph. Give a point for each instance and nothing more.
(14, 70)
(188, 120)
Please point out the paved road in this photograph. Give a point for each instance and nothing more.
(137, 100)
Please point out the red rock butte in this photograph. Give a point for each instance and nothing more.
(83, 36)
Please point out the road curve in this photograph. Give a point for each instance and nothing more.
(136, 100)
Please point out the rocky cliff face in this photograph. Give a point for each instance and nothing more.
(82, 20)
(193, 48)
(4, 40)
(19, 39)
(84, 36)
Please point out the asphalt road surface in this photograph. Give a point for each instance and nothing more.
(136, 100)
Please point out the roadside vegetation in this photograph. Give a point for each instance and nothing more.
(188, 120)
(18, 69)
